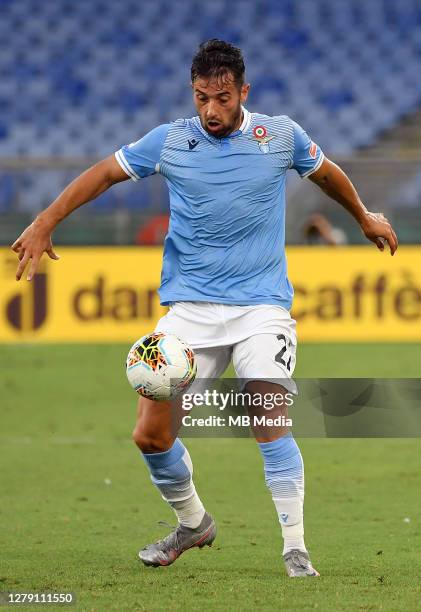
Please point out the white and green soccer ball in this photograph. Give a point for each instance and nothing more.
(160, 366)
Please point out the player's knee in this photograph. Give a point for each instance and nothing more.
(151, 441)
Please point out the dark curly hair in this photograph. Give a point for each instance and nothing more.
(217, 57)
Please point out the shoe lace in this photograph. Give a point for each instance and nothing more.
(166, 524)
(171, 540)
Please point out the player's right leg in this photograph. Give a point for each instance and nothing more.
(171, 472)
(171, 468)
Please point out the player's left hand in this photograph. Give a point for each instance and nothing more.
(377, 228)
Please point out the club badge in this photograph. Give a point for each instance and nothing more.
(260, 135)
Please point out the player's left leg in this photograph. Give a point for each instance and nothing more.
(267, 362)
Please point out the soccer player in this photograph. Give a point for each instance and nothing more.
(224, 275)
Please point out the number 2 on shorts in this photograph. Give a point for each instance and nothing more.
(285, 352)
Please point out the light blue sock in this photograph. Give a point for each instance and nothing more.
(284, 475)
(172, 473)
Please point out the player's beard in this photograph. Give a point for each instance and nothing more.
(225, 129)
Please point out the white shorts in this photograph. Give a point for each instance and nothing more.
(260, 340)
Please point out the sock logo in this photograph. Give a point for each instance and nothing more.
(27, 310)
(284, 517)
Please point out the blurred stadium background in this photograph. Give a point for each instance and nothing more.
(77, 80)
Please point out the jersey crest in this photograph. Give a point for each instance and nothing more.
(260, 135)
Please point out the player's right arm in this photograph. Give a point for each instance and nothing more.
(136, 160)
(36, 238)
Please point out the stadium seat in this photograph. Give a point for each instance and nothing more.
(333, 66)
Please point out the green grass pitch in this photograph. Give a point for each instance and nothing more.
(77, 504)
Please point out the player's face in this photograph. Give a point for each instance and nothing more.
(218, 102)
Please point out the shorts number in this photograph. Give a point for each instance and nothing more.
(284, 356)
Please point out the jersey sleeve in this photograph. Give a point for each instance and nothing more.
(308, 157)
(141, 158)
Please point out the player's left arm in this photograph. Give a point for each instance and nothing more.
(336, 184)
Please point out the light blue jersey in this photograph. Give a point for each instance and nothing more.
(226, 237)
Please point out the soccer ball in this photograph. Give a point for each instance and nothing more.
(160, 366)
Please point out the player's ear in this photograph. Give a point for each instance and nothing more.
(244, 92)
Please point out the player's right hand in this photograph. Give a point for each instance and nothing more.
(30, 246)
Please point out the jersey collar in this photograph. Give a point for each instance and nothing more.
(246, 122)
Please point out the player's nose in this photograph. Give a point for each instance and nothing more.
(211, 110)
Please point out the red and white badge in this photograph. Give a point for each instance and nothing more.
(260, 135)
(260, 132)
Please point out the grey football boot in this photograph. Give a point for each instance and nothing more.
(167, 550)
(298, 564)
